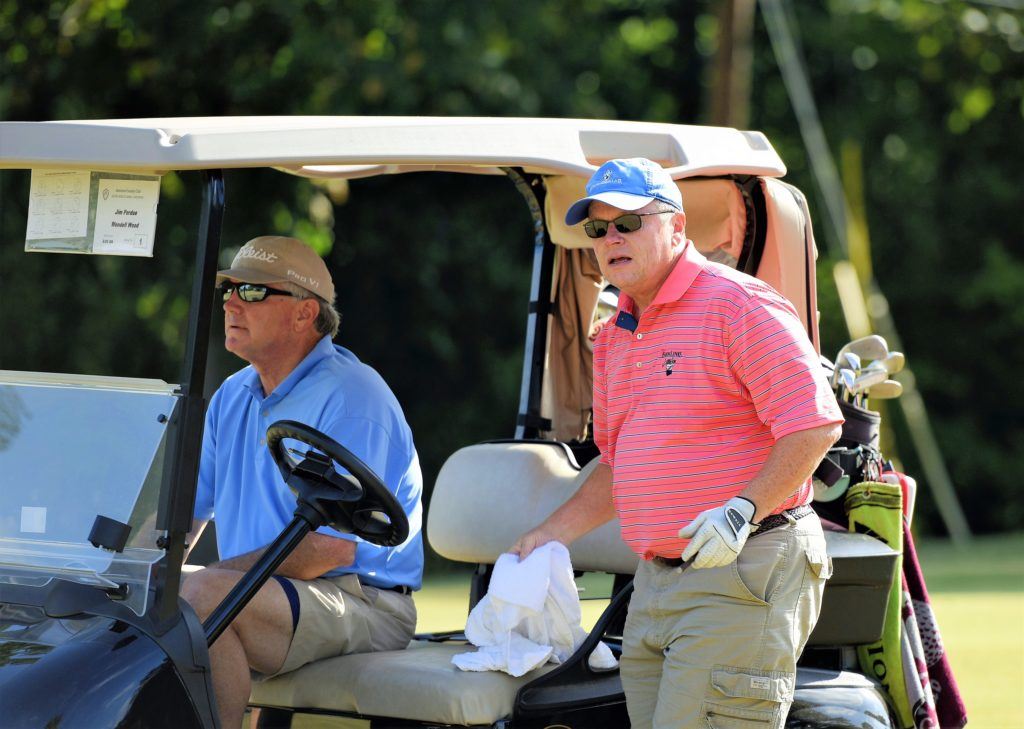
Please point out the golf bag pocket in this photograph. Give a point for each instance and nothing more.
(861, 427)
(843, 467)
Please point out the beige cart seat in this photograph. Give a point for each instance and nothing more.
(485, 497)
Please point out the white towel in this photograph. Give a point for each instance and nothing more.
(530, 615)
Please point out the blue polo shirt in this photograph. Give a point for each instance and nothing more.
(332, 391)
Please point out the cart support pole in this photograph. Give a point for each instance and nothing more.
(530, 423)
(256, 577)
(185, 435)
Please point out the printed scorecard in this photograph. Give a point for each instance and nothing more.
(100, 213)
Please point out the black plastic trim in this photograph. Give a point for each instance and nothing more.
(574, 684)
(757, 223)
(185, 432)
(531, 187)
(181, 640)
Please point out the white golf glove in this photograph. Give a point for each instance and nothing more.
(717, 535)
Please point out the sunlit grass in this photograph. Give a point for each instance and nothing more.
(978, 599)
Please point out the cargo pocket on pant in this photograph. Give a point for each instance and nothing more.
(819, 563)
(746, 697)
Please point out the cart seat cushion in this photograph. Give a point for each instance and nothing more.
(417, 683)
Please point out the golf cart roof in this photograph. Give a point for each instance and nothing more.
(339, 146)
(726, 176)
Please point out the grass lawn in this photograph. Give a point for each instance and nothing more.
(978, 598)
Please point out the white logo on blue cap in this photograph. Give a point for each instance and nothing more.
(629, 184)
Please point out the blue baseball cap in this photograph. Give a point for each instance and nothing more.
(626, 184)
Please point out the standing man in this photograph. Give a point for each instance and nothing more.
(711, 411)
(335, 594)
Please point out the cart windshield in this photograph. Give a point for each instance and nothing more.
(73, 448)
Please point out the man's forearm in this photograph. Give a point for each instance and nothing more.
(791, 462)
(315, 555)
(590, 507)
(242, 562)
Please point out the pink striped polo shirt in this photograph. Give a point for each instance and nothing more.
(690, 399)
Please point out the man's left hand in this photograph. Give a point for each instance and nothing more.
(717, 535)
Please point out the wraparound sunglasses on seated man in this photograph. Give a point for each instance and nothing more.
(249, 292)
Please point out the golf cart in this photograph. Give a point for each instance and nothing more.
(92, 631)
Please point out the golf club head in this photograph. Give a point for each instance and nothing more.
(846, 382)
(868, 378)
(894, 362)
(888, 390)
(872, 346)
(851, 361)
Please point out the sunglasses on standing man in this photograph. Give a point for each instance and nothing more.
(628, 223)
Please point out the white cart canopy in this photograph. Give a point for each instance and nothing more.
(360, 146)
(564, 151)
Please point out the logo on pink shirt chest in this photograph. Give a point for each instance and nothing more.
(669, 358)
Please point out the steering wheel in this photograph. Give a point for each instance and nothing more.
(357, 502)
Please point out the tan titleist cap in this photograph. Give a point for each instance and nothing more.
(272, 258)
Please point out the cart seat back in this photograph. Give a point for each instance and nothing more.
(488, 495)
(485, 497)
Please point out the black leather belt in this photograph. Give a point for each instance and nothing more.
(770, 522)
(776, 520)
(400, 589)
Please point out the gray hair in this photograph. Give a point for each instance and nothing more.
(328, 320)
(664, 207)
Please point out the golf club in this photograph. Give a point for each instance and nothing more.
(847, 379)
(872, 346)
(852, 361)
(873, 374)
(894, 362)
(888, 390)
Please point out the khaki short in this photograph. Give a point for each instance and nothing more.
(718, 647)
(341, 615)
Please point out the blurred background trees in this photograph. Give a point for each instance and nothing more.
(433, 272)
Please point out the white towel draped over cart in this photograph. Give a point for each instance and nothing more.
(530, 615)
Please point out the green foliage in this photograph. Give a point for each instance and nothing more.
(931, 91)
(933, 94)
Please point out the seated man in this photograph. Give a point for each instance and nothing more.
(335, 594)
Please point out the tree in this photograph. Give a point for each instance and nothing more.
(931, 92)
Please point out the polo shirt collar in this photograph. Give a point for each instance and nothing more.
(323, 348)
(690, 263)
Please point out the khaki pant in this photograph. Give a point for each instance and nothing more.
(718, 647)
(341, 615)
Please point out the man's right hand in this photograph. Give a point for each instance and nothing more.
(530, 541)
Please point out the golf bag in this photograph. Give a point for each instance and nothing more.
(854, 458)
